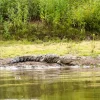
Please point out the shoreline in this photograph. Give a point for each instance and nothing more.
(84, 61)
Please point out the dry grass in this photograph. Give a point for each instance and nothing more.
(18, 48)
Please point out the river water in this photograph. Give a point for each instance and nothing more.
(49, 84)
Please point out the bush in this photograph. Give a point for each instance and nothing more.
(57, 18)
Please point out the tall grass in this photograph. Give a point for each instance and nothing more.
(57, 18)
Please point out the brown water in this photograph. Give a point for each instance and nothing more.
(49, 84)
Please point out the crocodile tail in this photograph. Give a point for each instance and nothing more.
(23, 59)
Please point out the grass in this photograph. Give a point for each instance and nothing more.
(19, 48)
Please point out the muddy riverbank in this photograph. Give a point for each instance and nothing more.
(83, 61)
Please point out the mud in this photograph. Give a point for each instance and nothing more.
(88, 61)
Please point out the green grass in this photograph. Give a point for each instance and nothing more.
(18, 48)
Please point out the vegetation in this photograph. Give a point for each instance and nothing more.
(19, 48)
(45, 19)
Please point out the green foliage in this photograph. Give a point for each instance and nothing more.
(57, 18)
(34, 10)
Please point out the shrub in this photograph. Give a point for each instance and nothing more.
(57, 18)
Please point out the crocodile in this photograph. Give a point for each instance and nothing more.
(26, 58)
(68, 60)
(49, 58)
